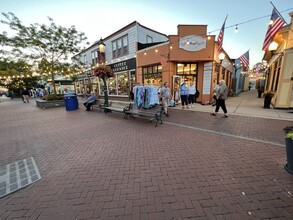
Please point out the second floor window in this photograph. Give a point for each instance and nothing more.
(94, 57)
(85, 59)
(120, 47)
(149, 39)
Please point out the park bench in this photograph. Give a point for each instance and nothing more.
(98, 105)
(154, 113)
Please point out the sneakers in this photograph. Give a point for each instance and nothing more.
(225, 116)
(213, 113)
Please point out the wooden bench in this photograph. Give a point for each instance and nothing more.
(155, 112)
(117, 109)
(98, 105)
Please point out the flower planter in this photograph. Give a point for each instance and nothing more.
(289, 153)
(49, 104)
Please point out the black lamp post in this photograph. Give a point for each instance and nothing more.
(221, 58)
(102, 60)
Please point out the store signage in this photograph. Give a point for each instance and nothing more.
(124, 65)
(192, 43)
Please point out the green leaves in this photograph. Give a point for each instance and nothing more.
(44, 45)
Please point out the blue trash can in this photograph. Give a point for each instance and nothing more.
(71, 102)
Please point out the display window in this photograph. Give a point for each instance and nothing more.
(118, 85)
(152, 75)
(186, 68)
(187, 72)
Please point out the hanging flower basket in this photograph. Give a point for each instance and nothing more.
(103, 72)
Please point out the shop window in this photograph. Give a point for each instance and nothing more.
(122, 79)
(187, 72)
(274, 77)
(117, 85)
(112, 85)
(152, 75)
(278, 73)
(186, 68)
(102, 87)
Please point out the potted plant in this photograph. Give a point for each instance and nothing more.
(289, 148)
(268, 97)
(104, 72)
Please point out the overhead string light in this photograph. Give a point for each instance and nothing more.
(236, 29)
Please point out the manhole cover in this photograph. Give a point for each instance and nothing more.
(17, 175)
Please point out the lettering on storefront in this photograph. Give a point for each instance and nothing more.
(192, 43)
(124, 65)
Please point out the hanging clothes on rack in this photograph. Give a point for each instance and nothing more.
(145, 96)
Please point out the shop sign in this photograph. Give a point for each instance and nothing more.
(192, 43)
(124, 65)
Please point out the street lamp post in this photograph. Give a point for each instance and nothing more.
(102, 60)
(221, 58)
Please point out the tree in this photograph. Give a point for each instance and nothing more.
(47, 47)
(15, 75)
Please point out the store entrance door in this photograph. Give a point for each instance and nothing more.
(176, 88)
(177, 80)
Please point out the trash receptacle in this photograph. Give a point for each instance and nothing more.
(267, 101)
(71, 102)
(289, 148)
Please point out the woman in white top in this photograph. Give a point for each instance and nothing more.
(191, 90)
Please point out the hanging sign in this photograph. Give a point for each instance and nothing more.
(192, 43)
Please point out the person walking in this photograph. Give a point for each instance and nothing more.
(184, 95)
(216, 88)
(221, 97)
(166, 96)
(25, 95)
(191, 90)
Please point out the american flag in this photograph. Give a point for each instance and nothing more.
(221, 36)
(273, 28)
(245, 59)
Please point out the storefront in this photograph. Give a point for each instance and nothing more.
(190, 56)
(279, 78)
(120, 85)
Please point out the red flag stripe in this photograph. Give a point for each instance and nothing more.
(273, 29)
(245, 59)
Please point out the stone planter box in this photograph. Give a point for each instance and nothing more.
(49, 104)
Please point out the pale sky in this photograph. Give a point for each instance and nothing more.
(100, 18)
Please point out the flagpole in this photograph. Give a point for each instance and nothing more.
(281, 15)
(278, 12)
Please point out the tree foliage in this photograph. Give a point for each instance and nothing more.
(47, 47)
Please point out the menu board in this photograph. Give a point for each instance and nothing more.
(207, 78)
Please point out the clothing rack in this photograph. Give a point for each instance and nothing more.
(145, 96)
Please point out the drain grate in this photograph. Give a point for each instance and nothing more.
(17, 175)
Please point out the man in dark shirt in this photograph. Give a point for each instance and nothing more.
(25, 95)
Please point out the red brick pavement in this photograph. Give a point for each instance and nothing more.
(97, 166)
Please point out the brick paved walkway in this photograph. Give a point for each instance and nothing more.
(97, 166)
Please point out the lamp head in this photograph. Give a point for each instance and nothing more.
(221, 56)
(273, 46)
(101, 46)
